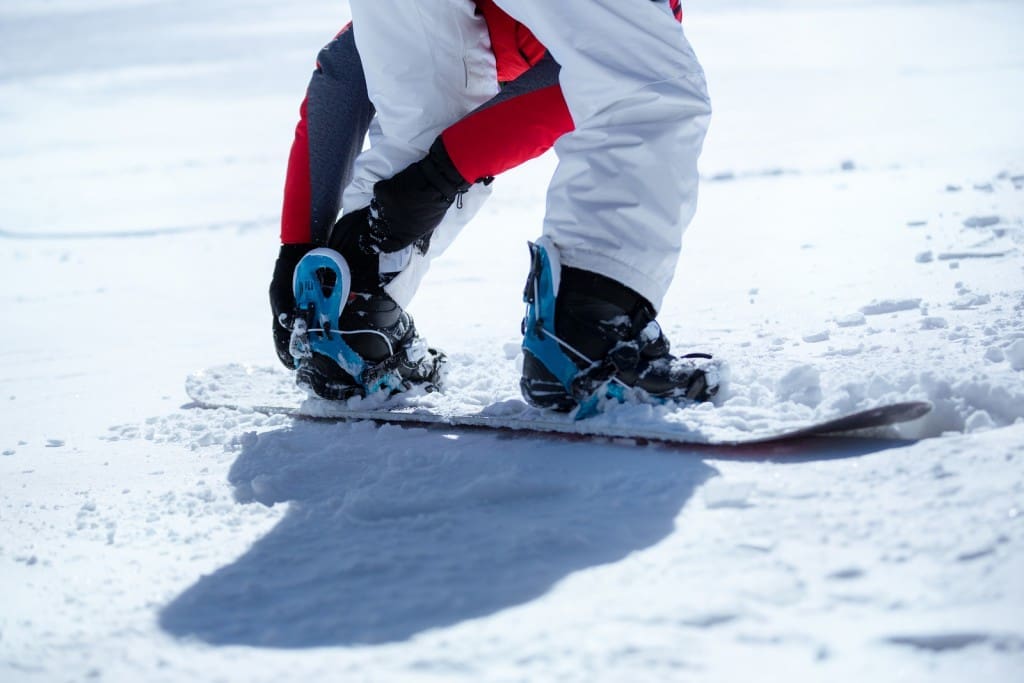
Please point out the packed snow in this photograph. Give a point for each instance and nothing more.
(859, 241)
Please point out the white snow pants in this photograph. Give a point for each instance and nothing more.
(427, 64)
(626, 183)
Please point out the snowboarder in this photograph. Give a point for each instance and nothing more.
(590, 322)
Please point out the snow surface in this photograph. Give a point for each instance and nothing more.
(859, 239)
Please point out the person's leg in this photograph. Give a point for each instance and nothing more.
(624, 190)
(626, 184)
(427, 65)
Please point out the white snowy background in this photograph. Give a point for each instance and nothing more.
(859, 239)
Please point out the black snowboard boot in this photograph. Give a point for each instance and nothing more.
(384, 352)
(352, 338)
(598, 338)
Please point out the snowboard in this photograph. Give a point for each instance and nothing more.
(272, 391)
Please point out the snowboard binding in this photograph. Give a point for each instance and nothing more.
(348, 344)
(632, 359)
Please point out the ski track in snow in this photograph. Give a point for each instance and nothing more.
(840, 258)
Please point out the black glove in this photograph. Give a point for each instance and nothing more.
(407, 207)
(347, 237)
(282, 298)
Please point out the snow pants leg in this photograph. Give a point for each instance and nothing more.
(626, 183)
(427, 64)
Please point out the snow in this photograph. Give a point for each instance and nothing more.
(1015, 354)
(142, 148)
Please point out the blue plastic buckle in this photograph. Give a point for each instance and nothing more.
(321, 303)
(539, 328)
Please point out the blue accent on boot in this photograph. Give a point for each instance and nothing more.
(589, 406)
(539, 335)
(323, 312)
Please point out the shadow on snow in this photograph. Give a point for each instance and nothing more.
(392, 531)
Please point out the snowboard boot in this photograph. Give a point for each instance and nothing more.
(587, 337)
(350, 338)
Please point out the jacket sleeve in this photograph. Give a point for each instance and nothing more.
(333, 122)
(521, 122)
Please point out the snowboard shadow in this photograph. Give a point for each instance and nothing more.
(391, 532)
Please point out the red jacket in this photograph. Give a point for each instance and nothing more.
(515, 48)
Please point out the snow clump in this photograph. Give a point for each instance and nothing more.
(802, 384)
